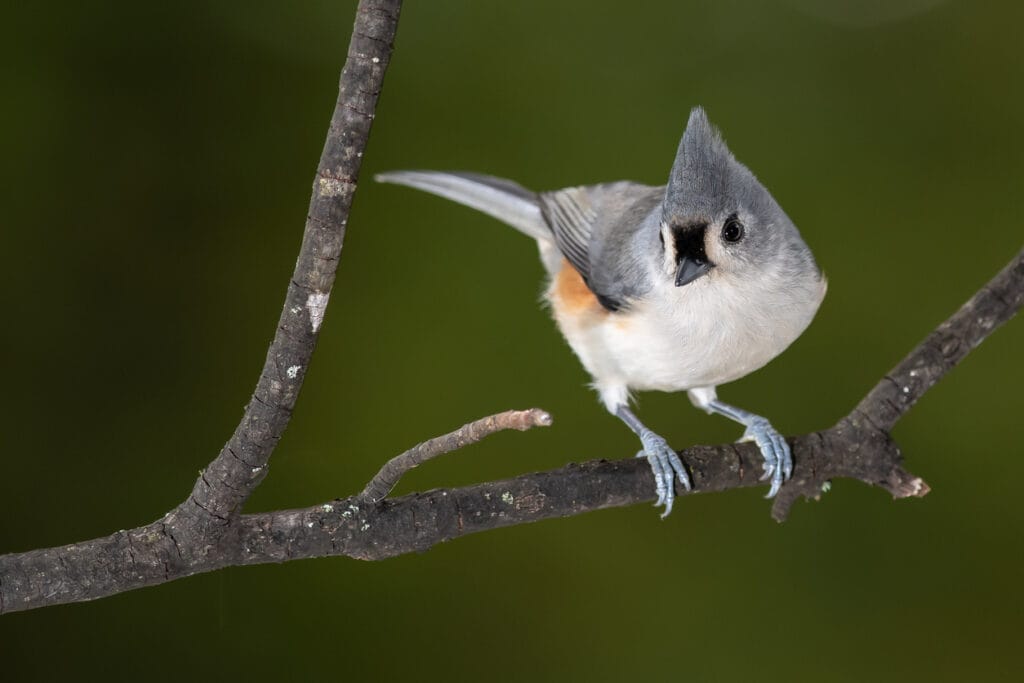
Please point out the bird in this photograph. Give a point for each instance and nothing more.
(679, 287)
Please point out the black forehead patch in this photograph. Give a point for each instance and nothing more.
(689, 241)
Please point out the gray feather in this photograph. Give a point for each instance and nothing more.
(705, 175)
(624, 240)
(503, 199)
(598, 228)
(570, 216)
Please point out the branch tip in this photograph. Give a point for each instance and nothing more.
(902, 484)
(528, 419)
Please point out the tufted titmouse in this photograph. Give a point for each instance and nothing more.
(680, 287)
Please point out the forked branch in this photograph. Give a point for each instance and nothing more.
(208, 532)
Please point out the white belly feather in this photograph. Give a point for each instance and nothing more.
(701, 335)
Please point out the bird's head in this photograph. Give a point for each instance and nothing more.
(718, 220)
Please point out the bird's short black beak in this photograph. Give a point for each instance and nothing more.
(690, 268)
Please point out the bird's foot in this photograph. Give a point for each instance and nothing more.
(778, 461)
(666, 466)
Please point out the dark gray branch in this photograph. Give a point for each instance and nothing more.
(242, 464)
(206, 532)
(228, 481)
(195, 532)
(993, 305)
(419, 521)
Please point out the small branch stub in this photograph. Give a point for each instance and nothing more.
(386, 479)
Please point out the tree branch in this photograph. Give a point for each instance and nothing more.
(227, 482)
(395, 468)
(194, 531)
(993, 305)
(242, 464)
(207, 531)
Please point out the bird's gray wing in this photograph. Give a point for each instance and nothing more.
(595, 228)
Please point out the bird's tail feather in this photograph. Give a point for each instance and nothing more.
(505, 200)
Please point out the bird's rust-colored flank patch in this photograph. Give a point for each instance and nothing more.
(570, 295)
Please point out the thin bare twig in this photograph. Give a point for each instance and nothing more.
(394, 469)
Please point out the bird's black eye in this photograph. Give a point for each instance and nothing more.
(732, 231)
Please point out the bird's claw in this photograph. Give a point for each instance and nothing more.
(666, 467)
(778, 461)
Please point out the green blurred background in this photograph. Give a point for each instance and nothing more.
(157, 160)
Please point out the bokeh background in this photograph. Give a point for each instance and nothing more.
(157, 160)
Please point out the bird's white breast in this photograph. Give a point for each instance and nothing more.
(707, 333)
